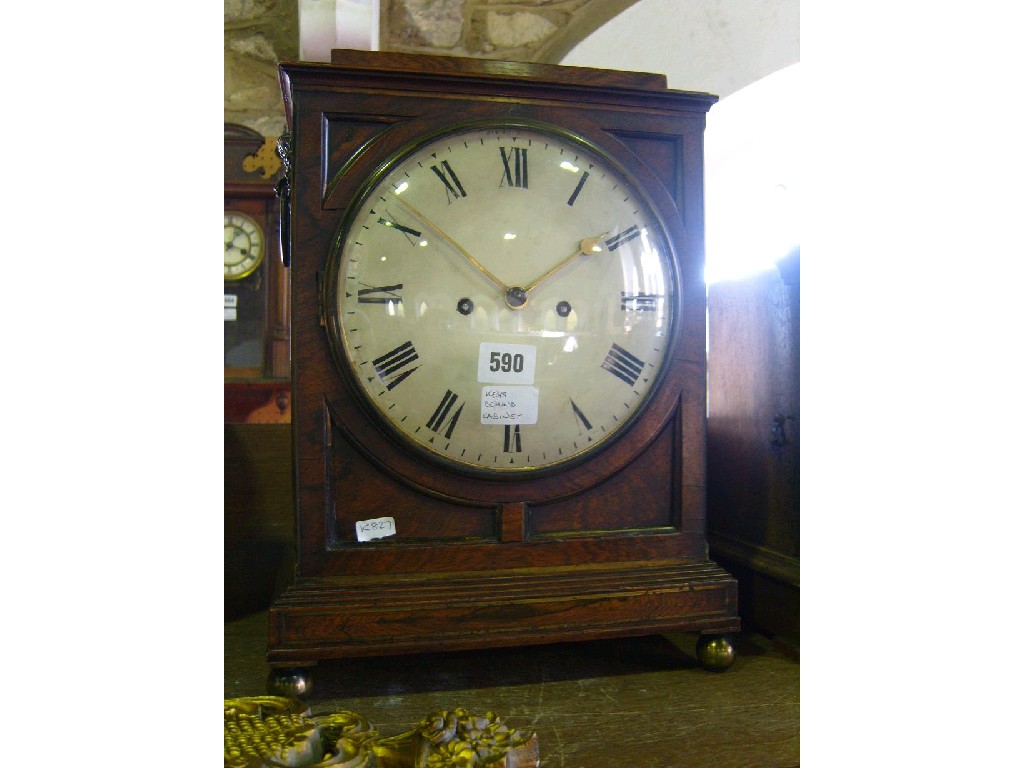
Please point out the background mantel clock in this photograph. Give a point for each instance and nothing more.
(498, 360)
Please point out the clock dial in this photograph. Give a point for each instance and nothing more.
(243, 245)
(504, 297)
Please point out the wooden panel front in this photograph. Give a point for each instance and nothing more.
(629, 502)
(608, 546)
(360, 491)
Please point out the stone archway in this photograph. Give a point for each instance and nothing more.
(259, 34)
(520, 30)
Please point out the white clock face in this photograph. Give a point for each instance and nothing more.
(504, 297)
(243, 245)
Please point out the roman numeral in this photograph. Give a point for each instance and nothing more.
(392, 224)
(452, 185)
(513, 439)
(641, 302)
(621, 363)
(516, 174)
(622, 238)
(384, 294)
(581, 420)
(437, 421)
(579, 187)
(393, 367)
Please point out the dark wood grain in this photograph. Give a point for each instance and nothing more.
(754, 441)
(421, 65)
(614, 545)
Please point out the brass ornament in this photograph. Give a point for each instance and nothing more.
(274, 731)
(265, 160)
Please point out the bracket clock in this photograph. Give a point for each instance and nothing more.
(498, 360)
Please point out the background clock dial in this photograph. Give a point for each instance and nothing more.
(503, 297)
(244, 245)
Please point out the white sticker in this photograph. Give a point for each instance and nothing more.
(506, 363)
(230, 300)
(230, 313)
(509, 405)
(378, 528)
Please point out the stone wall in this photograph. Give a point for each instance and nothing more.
(259, 33)
(517, 30)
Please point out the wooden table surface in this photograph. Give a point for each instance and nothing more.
(602, 704)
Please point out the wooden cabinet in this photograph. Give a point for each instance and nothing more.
(754, 442)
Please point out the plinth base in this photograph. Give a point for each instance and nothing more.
(318, 619)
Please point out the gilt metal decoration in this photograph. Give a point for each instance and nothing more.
(266, 159)
(277, 732)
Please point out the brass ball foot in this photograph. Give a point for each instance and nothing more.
(294, 683)
(715, 652)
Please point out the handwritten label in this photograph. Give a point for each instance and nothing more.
(509, 405)
(506, 363)
(377, 528)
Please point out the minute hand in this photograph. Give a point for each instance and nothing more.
(588, 245)
(447, 238)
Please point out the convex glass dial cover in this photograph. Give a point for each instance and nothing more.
(504, 296)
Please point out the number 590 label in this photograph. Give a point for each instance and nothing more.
(506, 363)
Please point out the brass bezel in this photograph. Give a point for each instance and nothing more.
(262, 249)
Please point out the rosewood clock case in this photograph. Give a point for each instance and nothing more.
(613, 545)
